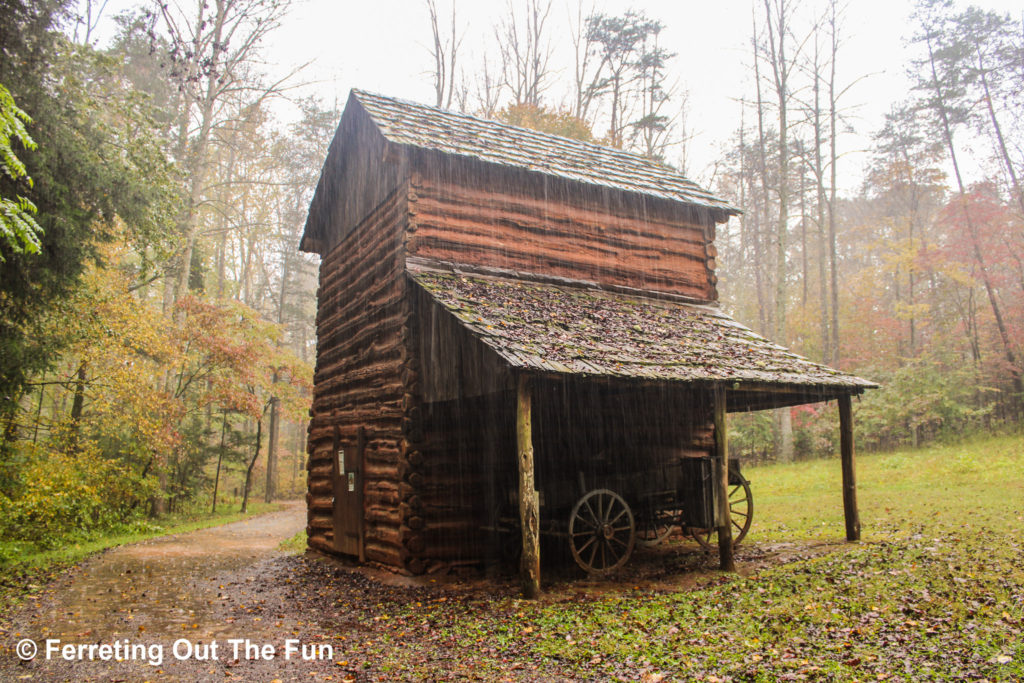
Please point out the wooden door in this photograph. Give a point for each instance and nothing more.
(348, 495)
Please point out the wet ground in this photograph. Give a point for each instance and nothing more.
(149, 594)
(226, 604)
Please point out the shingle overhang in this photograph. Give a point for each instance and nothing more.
(565, 329)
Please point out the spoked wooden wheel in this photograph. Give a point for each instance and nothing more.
(602, 531)
(741, 514)
(654, 526)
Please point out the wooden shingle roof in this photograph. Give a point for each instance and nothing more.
(555, 328)
(419, 126)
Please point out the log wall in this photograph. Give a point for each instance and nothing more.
(361, 170)
(363, 371)
(540, 225)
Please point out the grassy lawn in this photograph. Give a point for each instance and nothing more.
(34, 568)
(935, 591)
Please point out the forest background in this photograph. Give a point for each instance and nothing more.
(156, 317)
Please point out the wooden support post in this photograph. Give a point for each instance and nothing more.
(849, 476)
(529, 513)
(722, 483)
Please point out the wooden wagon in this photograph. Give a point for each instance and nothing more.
(616, 505)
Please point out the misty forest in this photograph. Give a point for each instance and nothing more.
(158, 321)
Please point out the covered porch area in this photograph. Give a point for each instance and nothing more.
(698, 488)
(603, 408)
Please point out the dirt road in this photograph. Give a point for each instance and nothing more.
(143, 597)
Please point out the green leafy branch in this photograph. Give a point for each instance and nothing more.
(18, 226)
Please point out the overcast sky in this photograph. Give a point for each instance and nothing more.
(381, 46)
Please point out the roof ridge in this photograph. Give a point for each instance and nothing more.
(404, 122)
(529, 131)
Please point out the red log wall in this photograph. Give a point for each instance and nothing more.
(551, 228)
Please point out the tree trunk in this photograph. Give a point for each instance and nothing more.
(833, 157)
(272, 448)
(1000, 142)
(39, 414)
(780, 73)
(220, 459)
(803, 237)
(764, 313)
(252, 463)
(78, 404)
(784, 420)
(819, 174)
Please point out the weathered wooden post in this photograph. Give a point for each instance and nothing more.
(722, 484)
(529, 515)
(849, 476)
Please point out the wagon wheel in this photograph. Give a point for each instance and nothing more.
(602, 531)
(741, 514)
(654, 526)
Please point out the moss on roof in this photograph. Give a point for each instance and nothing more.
(577, 330)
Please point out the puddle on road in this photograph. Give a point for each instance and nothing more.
(166, 587)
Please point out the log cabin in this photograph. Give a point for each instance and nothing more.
(513, 330)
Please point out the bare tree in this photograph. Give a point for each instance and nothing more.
(212, 51)
(781, 65)
(818, 169)
(774, 49)
(762, 276)
(818, 115)
(488, 89)
(525, 51)
(684, 135)
(444, 51)
(583, 53)
(833, 136)
(90, 20)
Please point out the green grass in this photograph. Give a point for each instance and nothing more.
(934, 591)
(33, 567)
(980, 482)
(296, 544)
